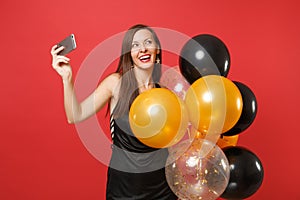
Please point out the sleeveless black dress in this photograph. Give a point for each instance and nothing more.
(136, 171)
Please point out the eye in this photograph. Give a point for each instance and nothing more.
(148, 42)
(134, 45)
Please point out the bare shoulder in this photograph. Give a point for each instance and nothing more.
(113, 80)
(114, 77)
(110, 83)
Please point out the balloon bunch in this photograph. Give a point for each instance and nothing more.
(200, 101)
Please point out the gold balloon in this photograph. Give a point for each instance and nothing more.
(227, 141)
(222, 141)
(214, 104)
(158, 118)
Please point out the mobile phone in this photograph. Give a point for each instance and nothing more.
(69, 43)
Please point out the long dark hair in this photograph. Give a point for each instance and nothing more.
(129, 86)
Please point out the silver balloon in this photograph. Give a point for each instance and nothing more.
(174, 81)
(197, 170)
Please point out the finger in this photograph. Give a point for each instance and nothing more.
(57, 62)
(53, 47)
(57, 50)
(60, 59)
(64, 57)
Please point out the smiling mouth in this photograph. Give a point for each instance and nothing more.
(145, 58)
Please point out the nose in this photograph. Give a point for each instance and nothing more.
(143, 48)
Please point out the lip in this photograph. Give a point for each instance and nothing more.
(145, 60)
(145, 55)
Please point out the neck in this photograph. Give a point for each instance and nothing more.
(144, 77)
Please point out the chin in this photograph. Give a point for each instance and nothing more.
(146, 65)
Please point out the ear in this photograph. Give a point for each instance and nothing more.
(158, 50)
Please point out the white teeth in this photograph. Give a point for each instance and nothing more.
(144, 57)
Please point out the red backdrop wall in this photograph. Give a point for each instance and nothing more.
(42, 156)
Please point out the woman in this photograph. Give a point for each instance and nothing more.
(136, 171)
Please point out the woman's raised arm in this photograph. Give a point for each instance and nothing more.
(79, 111)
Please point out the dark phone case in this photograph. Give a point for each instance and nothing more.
(69, 43)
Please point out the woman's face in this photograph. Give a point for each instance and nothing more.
(143, 49)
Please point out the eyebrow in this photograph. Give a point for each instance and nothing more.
(144, 39)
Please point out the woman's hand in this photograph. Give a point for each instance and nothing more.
(61, 63)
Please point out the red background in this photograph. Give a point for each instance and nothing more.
(42, 156)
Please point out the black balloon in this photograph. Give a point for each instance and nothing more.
(246, 173)
(204, 55)
(248, 113)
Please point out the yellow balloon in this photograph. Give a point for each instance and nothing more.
(227, 141)
(222, 141)
(214, 104)
(158, 118)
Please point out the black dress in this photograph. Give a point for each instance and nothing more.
(136, 171)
